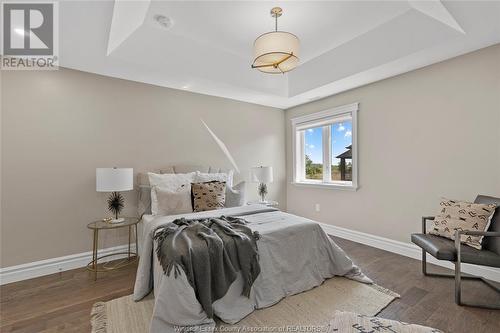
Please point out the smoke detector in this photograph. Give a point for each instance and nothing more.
(164, 21)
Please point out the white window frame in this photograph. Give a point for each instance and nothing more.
(326, 117)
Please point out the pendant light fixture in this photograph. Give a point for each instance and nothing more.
(276, 51)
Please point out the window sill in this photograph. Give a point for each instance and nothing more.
(332, 186)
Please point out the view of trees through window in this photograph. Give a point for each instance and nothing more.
(341, 154)
(313, 170)
(313, 149)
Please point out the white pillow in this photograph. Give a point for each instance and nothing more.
(168, 181)
(203, 177)
(173, 202)
(235, 196)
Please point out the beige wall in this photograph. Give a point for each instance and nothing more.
(428, 133)
(59, 126)
(425, 134)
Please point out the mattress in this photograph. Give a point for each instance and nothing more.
(295, 255)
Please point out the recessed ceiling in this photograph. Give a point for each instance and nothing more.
(208, 48)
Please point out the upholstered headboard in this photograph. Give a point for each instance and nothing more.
(144, 202)
(143, 180)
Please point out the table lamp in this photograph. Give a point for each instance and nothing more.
(114, 180)
(262, 175)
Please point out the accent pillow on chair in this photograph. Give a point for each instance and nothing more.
(208, 196)
(462, 215)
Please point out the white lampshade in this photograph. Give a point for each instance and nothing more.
(114, 179)
(263, 174)
(272, 48)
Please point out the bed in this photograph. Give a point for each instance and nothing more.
(295, 255)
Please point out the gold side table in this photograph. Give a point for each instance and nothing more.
(94, 266)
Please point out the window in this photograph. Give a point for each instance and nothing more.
(313, 150)
(325, 148)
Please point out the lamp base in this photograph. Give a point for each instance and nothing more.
(262, 192)
(118, 220)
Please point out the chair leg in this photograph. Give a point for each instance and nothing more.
(426, 273)
(458, 288)
(424, 262)
(458, 280)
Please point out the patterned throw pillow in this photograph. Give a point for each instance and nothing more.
(208, 196)
(462, 215)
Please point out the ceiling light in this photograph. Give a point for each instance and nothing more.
(163, 21)
(276, 51)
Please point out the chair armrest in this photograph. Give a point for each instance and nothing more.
(424, 221)
(472, 233)
(477, 233)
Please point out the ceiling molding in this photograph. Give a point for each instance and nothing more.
(128, 16)
(436, 10)
(344, 44)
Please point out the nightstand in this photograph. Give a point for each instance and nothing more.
(131, 257)
(268, 203)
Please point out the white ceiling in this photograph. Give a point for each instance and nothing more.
(344, 44)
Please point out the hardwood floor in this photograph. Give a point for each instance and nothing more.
(62, 302)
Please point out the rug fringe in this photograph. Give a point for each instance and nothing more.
(384, 290)
(98, 318)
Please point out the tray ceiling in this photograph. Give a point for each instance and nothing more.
(208, 49)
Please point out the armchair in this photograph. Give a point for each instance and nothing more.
(446, 249)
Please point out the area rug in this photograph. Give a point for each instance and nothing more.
(348, 322)
(313, 308)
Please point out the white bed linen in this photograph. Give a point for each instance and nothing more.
(295, 255)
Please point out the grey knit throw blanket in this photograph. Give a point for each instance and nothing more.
(210, 252)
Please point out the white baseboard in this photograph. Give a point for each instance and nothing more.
(407, 250)
(55, 265)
